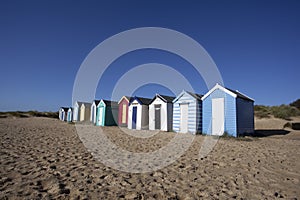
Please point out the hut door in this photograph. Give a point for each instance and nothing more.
(94, 114)
(82, 110)
(61, 115)
(75, 114)
(93, 111)
(100, 118)
(157, 116)
(124, 113)
(184, 118)
(134, 113)
(218, 116)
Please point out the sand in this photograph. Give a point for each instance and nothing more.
(44, 158)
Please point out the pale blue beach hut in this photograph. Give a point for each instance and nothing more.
(70, 114)
(187, 113)
(227, 111)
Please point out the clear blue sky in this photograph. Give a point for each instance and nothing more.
(255, 44)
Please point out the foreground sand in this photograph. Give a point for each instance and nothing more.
(44, 158)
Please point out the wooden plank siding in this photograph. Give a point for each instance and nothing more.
(238, 111)
(194, 113)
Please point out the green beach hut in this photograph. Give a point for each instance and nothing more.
(107, 113)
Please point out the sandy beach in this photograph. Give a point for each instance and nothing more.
(43, 158)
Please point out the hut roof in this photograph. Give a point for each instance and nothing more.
(231, 92)
(110, 103)
(127, 97)
(65, 109)
(196, 96)
(97, 102)
(144, 101)
(240, 95)
(167, 99)
(141, 100)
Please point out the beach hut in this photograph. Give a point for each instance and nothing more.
(69, 114)
(138, 113)
(85, 111)
(62, 113)
(187, 113)
(94, 111)
(161, 113)
(227, 111)
(123, 111)
(76, 111)
(107, 113)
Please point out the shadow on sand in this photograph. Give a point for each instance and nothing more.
(266, 132)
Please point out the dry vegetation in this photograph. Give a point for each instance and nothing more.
(282, 111)
(26, 114)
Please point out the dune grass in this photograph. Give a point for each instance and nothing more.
(31, 113)
(282, 111)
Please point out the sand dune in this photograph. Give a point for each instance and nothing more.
(273, 123)
(44, 158)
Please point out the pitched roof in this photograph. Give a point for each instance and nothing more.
(144, 101)
(240, 95)
(167, 99)
(234, 93)
(110, 103)
(141, 100)
(65, 109)
(81, 102)
(196, 96)
(127, 97)
(86, 104)
(96, 102)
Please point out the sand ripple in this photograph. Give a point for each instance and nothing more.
(45, 159)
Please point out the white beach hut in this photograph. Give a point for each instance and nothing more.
(85, 111)
(94, 111)
(76, 111)
(62, 113)
(138, 113)
(161, 113)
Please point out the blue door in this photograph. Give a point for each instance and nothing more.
(69, 116)
(134, 112)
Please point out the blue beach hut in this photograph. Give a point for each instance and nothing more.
(187, 113)
(226, 110)
(70, 114)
